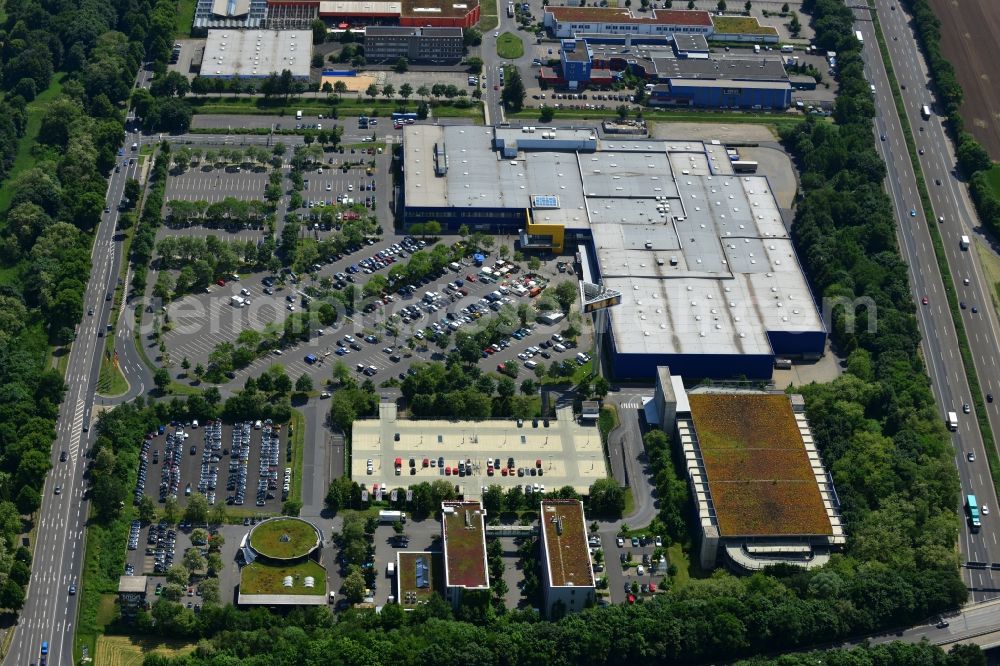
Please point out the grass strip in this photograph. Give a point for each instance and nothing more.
(992, 458)
(298, 435)
(185, 18)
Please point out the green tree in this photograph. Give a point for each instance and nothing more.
(607, 498)
(162, 379)
(747, 6)
(405, 91)
(209, 590)
(721, 5)
(401, 67)
(194, 561)
(196, 511)
(513, 92)
(388, 90)
(354, 586)
(28, 500)
(304, 383)
(372, 91)
(566, 294)
(546, 114)
(178, 575)
(171, 510)
(601, 387)
(147, 510)
(11, 596)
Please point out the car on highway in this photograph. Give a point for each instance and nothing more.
(986, 509)
(58, 490)
(72, 589)
(90, 312)
(921, 151)
(966, 409)
(975, 309)
(62, 457)
(971, 456)
(940, 219)
(924, 300)
(962, 305)
(496, 34)
(942, 624)
(989, 397)
(913, 212)
(965, 281)
(883, 137)
(937, 181)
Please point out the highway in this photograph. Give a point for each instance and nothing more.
(939, 338)
(49, 612)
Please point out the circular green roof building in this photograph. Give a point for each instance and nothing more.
(285, 539)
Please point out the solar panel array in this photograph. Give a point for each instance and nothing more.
(544, 201)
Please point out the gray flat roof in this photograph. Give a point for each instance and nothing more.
(759, 68)
(281, 600)
(132, 583)
(701, 255)
(690, 42)
(730, 83)
(257, 53)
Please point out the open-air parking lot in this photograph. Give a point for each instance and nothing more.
(209, 184)
(245, 464)
(530, 453)
(632, 560)
(200, 322)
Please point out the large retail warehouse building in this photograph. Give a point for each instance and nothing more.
(709, 279)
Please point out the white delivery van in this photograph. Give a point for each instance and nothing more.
(298, 115)
(390, 569)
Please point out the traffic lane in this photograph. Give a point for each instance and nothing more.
(906, 231)
(955, 203)
(39, 619)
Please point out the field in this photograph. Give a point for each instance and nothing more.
(267, 537)
(758, 471)
(510, 46)
(993, 178)
(260, 578)
(969, 38)
(126, 651)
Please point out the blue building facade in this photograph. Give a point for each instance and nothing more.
(723, 94)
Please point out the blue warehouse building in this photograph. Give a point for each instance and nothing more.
(710, 282)
(723, 94)
(681, 72)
